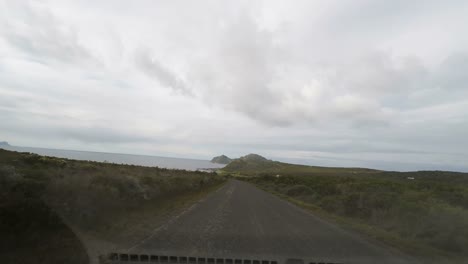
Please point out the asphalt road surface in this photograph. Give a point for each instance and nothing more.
(242, 220)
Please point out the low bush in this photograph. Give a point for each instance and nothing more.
(298, 190)
(88, 193)
(432, 210)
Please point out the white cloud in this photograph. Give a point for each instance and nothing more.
(364, 83)
(36, 33)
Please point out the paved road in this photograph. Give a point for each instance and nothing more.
(242, 220)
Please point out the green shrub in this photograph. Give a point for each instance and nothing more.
(298, 190)
(432, 211)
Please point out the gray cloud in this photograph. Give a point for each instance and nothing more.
(41, 36)
(101, 135)
(451, 73)
(242, 72)
(65, 128)
(155, 70)
(330, 83)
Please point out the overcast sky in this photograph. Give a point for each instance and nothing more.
(371, 83)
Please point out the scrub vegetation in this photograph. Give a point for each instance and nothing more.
(256, 165)
(425, 212)
(114, 203)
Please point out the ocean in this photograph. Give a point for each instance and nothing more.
(142, 160)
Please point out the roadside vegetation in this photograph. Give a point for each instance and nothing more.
(118, 204)
(424, 213)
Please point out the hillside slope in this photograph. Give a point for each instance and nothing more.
(115, 204)
(254, 164)
(30, 232)
(223, 159)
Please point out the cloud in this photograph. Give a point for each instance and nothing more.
(41, 36)
(332, 82)
(101, 135)
(157, 71)
(451, 73)
(250, 72)
(66, 128)
(241, 71)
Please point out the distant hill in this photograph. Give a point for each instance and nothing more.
(4, 144)
(254, 158)
(254, 164)
(223, 159)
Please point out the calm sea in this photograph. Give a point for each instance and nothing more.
(143, 160)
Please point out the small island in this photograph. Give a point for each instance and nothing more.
(223, 159)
